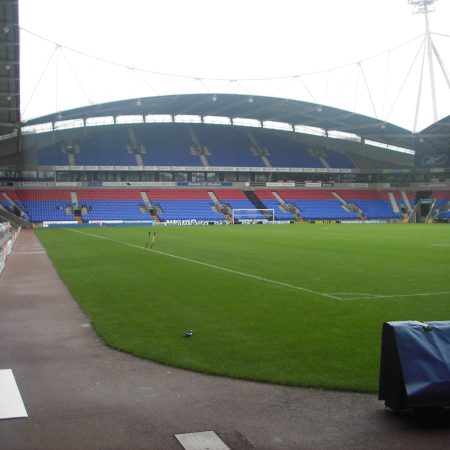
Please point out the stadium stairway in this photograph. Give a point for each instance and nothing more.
(393, 202)
(349, 207)
(258, 204)
(283, 210)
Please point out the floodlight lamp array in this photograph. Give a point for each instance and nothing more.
(422, 6)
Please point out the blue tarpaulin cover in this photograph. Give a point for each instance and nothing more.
(424, 352)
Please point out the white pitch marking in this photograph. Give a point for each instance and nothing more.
(420, 294)
(362, 296)
(213, 266)
(205, 440)
(11, 403)
(356, 294)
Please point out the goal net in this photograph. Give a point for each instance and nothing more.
(253, 215)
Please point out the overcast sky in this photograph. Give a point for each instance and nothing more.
(359, 55)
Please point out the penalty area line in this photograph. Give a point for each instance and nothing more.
(213, 266)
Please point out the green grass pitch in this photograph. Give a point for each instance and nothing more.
(288, 304)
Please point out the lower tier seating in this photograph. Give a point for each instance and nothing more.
(199, 204)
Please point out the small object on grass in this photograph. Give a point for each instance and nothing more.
(189, 333)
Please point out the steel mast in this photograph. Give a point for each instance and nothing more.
(424, 7)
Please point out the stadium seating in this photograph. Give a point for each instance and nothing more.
(3, 201)
(317, 205)
(229, 146)
(112, 204)
(44, 205)
(442, 204)
(236, 199)
(287, 153)
(52, 155)
(177, 144)
(166, 145)
(399, 198)
(179, 204)
(105, 149)
(196, 204)
(270, 202)
(337, 160)
(371, 203)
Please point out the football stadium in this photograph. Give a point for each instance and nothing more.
(218, 261)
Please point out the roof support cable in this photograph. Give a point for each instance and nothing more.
(40, 79)
(76, 77)
(406, 78)
(368, 89)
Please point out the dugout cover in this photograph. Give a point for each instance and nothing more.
(415, 365)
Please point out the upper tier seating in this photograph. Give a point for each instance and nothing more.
(229, 146)
(287, 153)
(52, 155)
(165, 144)
(108, 148)
(180, 144)
(338, 160)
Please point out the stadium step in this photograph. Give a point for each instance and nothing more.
(266, 161)
(406, 200)
(255, 200)
(74, 197)
(393, 202)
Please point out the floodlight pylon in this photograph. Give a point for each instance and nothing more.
(425, 7)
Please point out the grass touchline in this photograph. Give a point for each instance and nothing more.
(213, 266)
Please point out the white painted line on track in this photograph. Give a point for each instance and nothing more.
(11, 404)
(205, 440)
(213, 266)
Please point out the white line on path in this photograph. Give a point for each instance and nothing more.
(11, 403)
(360, 296)
(213, 266)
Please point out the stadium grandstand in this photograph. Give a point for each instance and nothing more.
(198, 157)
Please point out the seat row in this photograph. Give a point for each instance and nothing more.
(201, 204)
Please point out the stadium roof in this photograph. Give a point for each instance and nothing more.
(435, 138)
(9, 67)
(259, 108)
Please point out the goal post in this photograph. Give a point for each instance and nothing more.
(254, 215)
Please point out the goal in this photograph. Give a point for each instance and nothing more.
(254, 215)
